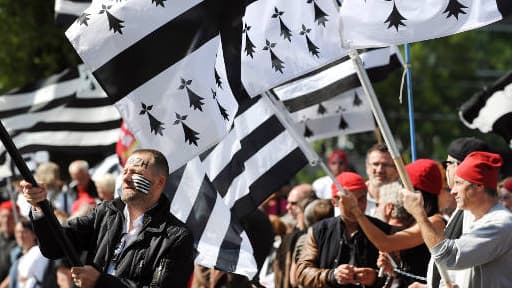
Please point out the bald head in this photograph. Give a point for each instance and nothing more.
(296, 197)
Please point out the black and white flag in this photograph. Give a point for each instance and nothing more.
(331, 102)
(490, 110)
(67, 11)
(161, 63)
(285, 39)
(254, 160)
(65, 113)
(381, 23)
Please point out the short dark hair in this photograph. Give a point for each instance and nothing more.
(160, 162)
(381, 147)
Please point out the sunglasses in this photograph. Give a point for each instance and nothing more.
(447, 163)
(293, 203)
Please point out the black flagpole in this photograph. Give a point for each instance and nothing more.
(55, 227)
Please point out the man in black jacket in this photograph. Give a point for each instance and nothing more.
(133, 241)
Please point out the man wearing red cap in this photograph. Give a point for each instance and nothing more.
(505, 193)
(486, 248)
(337, 163)
(337, 253)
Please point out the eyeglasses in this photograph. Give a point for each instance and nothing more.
(293, 203)
(446, 163)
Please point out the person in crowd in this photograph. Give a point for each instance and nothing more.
(486, 247)
(267, 276)
(337, 253)
(106, 186)
(314, 212)
(82, 186)
(337, 163)
(445, 200)
(425, 176)
(298, 198)
(63, 273)
(132, 241)
(7, 240)
(380, 170)
(505, 193)
(28, 271)
(49, 173)
(460, 220)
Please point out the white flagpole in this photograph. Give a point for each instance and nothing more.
(285, 119)
(386, 134)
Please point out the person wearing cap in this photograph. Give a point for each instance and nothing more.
(505, 193)
(380, 170)
(7, 240)
(425, 177)
(486, 248)
(337, 163)
(337, 253)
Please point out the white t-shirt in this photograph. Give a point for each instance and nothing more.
(31, 266)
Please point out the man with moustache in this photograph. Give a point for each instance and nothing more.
(131, 241)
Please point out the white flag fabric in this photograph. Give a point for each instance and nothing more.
(285, 39)
(254, 160)
(331, 102)
(377, 23)
(67, 11)
(490, 110)
(157, 61)
(67, 113)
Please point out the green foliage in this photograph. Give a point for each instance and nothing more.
(31, 45)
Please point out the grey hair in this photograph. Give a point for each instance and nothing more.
(390, 193)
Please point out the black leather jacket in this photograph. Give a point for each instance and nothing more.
(161, 256)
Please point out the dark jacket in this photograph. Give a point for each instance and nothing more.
(328, 246)
(161, 255)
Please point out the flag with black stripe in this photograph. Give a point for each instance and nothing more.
(330, 101)
(67, 114)
(215, 191)
(67, 11)
(490, 110)
(366, 24)
(162, 64)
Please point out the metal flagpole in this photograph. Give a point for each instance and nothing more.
(55, 227)
(386, 133)
(410, 101)
(287, 122)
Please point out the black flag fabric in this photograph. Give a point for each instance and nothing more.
(213, 192)
(160, 64)
(66, 114)
(490, 110)
(366, 24)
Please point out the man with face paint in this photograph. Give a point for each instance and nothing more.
(131, 241)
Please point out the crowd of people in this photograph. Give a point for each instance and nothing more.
(453, 230)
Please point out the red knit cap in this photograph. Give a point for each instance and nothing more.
(337, 155)
(425, 175)
(480, 168)
(508, 185)
(349, 181)
(8, 205)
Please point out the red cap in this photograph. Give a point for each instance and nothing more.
(481, 168)
(337, 155)
(425, 175)
(349, 181)
(508, 185)
(8, 205)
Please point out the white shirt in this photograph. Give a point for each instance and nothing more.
(31, 266)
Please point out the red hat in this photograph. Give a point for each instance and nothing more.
(425, 175)
(349, 181)
(337, 155)
(8, 205)
(508, 185)
(480, 168)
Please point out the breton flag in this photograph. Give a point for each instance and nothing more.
(331, 102)
(490, 110)
(161, 63)
(67, 11)
(283, 40)
(213, 193)
(377, 23)
(67, 113)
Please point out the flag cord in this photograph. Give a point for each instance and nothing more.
(305, 147)
(410, 102)
(386, 133)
